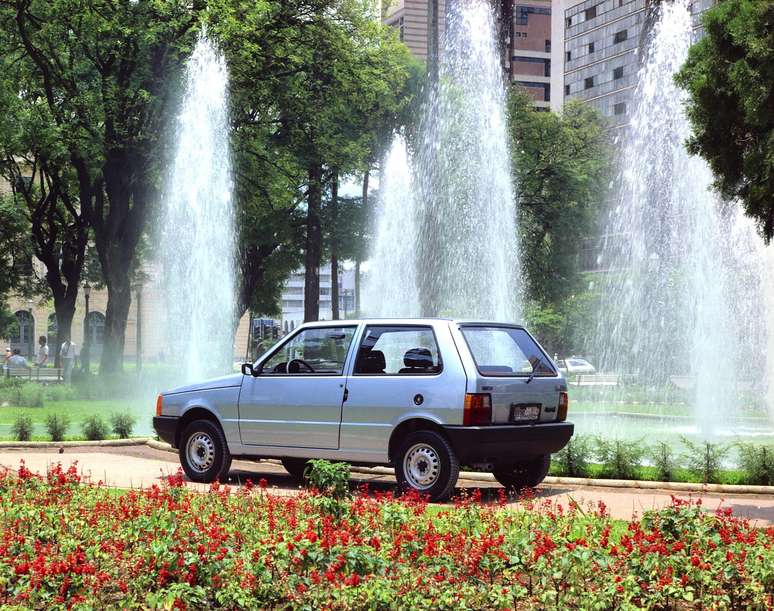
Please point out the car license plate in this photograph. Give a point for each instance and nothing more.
(524, 412)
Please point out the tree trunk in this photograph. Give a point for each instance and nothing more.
(313, 243)
(432, 40)
(366, 177)
(116, 315)
(335, 315)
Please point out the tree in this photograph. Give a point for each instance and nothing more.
(560, 166)
(355, 70)
(15, 257)
(729, 77)
(105, 73)
(42, 186)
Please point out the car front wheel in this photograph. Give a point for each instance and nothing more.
(296, 467)
(523, 475)
(204, 453)
(426, 462)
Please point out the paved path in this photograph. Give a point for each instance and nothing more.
(137, 466)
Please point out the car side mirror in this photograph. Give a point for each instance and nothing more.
(247, 370)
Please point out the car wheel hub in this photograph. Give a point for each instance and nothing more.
(421, 466)
(201, 452)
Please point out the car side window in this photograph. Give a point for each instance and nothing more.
(398, 350)
(313, 351)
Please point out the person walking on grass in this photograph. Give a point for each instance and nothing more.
(42, 360)
(68, 354)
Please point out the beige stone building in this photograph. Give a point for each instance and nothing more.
(145, 327)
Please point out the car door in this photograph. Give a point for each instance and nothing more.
(295, 400)
(399, 372)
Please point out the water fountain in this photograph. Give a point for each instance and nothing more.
(197, 223)
(682, 313)
(450, 231)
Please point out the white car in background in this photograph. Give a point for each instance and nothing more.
(575, 365)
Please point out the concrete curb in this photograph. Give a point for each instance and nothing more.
(464, 475)
(9, 445)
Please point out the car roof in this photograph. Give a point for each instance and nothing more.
(405, 321)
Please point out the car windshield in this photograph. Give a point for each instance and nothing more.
(506, 351)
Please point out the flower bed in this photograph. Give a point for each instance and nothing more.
(63, 542)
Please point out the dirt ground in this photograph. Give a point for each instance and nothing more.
(142, 466)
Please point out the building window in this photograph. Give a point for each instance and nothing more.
(620, 2)
(620, 36)
(588, 83)
(548, 46)
(591, 12)
(618, 73)
(401, 29)
(22, 333)
(620, 108)
(568, 22)
(569, 55)
(591, 47)
(566, 90)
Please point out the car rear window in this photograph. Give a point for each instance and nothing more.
(506, 351)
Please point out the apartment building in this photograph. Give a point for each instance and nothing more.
(597, 51)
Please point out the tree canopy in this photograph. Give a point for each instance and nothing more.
(560, 167)
(729, 77)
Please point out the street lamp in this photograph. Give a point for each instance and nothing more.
(30, 331)
(85, 360)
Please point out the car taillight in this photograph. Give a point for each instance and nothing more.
(159, 403)
(478, 409)
(564, 404)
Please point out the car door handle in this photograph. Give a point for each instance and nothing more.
(346, 394)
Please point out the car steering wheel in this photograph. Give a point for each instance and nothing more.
(301, 362)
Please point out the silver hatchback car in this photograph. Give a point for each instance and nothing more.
(422, 395)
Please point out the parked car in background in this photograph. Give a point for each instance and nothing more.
(575, 365)
(421, 395)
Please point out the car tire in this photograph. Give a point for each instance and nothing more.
(296, 467)
(523, 475)
(204, 452)
(426, 462)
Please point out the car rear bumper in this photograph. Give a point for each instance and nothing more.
(166, 428)
(508, 443)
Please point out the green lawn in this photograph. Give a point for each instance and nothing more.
(77, 410)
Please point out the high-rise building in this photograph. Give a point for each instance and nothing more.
(530, 49)
(597, 49)
(525, 38)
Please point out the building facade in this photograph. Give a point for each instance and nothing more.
(525, 38)
(292, 300)
(597, 51)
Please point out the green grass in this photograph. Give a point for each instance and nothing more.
(726, 476)
(77, 411)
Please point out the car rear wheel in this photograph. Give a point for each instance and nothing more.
(523, 475)
(296, 467)
(427, 463)
(204, 453)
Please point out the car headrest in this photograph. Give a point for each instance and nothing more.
(418, 358)
(374, 362)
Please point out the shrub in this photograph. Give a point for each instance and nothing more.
(22, 428)
(59, 392)
(330, 478)
(620, 459)
(94, 428)
(705, 459)
(30, 395)
(122, 425)
(757, 462)
(573, 459)
(56, 425)
(663, 458)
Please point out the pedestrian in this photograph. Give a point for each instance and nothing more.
(68, 354)
(42, 351)
(17, 361)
